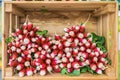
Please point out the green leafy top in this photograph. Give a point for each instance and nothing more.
(9, 39)
(43, 33)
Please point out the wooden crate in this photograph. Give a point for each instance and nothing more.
(60, 14)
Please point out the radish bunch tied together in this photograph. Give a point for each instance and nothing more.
(77, 51)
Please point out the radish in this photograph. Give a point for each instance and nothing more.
(9, 51)
(43, 57)
(60, 53)
(82, 28)
(26, 41)
(57, 37)
(65, 60)
(30, 26)
(68, 54)
(86, 34)
(38, 68)
(34, 50)
(73, 45)
(96, 54)
(87, 61)
(75, 52)
(39, 48)
(23, 47)
(25, 31)
(21, 73)
(43, 66)
(20, 67)
(27, 63)
(93, 66)
(49, 69)
(92, 54)
(67, 44)
(54, 47)
(29, 72)
(56, 61)
(46, 46)
(14, 56)
(13, 48)
(70, 40)
(71, 33)
(37, 54)
(80, 44)
(62, 65)
(19, 31)
(101, 65)
(69, 65)
(71, 59)
(93, 46)
(35, 29)
(48, 61)
(17, 44)
(18, 50)
(57, 58)
(48, 55)
(77, 58)
(34, 70)
(103, 60)
(87, 45)
(98, 71)
(70, 70)
(67, 30)
(13, 63)
(20, 59)
(77, 28)
(82, 48)
(60, 46)
(80, 35)
(67, 49)
(94, 59)
(88, 50)
(33, 39)
(75, 65)
(32, 33)
(26, 52)
(104, 55)
(76, 40)
(43, 72)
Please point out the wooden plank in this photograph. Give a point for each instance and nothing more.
(10, 28)
(99, 26)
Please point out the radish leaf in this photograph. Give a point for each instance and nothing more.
(75, 73)
(83, 69)
(64, 71)
(9, 39)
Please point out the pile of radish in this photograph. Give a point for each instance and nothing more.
(32, 52)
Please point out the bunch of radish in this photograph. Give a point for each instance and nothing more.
(31, 52)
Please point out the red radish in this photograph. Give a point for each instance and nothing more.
(92, 54)
(90, 40)
(18, 50)
(96, 54)
(68, 54)
(43, 57)
(30, 26)
(32, 33)
(101, 52)
(87, 61)
(60, 46)
(29, 72)
(60, 53)
(82, 48)
(93, 66)
(82, 28)
(57, 37)
(73, 45)
(26, 41)
(9, 51)
(103, 60)
(26, 52)
(86, 34)
(38, 68)
(33, 39)
(87, 45)
(38, 40)
(21, 73)
(56, 62)
(57, 70)
(43, 72)
(75, 65)
(20, 59)
(23, 47)
(104, 55)
(35, 29)
(14, 56)
(67, 30)
(82, 59)
(43, 66)
(70, 70)
(80, 44)
(54, 47)
(84, 55)
(67, 44)
(57, 42)
(65, 60)
(88, 50)
(18, 31)
(20, 67)
(37, 54)
(82, 64)
(17, 44)
(70, 40)
(14, 34)
(97, 49)
(13, 48)
(80, 35)
(13, 63)
(93, 46)
(46, 46)
(77, 58)
(39, 48)
(25, 31)
(62, 65)
(75, 52)
(20, 36)
(34, 70)
(79, 54)
(69, 65)
(33, 49)
(48, 55)
(57, 58)
(94, 59)
(28, 58)
(39, 60)
(71, 33)
(64, 38)
(27, 63)
(76, 40)
(77, 28)
(71, 59)
(98, 71)
(73, 27)
(52, 55)
(101, 65)
(49, 69)
(55, 66)
(66, 49)
(48, 61)
(24, 25)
